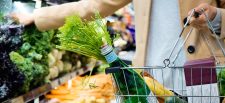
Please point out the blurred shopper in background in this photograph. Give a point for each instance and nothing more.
(157, 26)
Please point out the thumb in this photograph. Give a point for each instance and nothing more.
(14, 16)
(192, 19)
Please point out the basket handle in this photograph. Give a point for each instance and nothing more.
(186, 23)
(213, 31)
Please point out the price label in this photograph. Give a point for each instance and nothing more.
(38, 4)
(73, 74)
(18, 100)
(55, 83)
(65, 79)
(36, 100)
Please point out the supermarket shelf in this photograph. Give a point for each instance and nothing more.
(47, 87)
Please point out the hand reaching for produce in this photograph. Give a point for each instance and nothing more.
(201, 21)
(23, 18)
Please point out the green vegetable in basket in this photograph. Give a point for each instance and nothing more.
(24, 65)
(221, 81)
(89, 39)
(174, 100)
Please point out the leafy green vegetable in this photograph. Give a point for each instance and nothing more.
(32, 56)
(24, 65)
(84, 37)
(102, 68)
(11, 79)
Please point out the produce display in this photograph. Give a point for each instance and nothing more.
(62, 62)
(24, 58)
(92, 89)
(55, 63)
(29, 59)
(11, 78)
(32, 57)
(75, 60)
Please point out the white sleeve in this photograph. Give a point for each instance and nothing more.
(216, 22)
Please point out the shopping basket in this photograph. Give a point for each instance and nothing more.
(212, 95)
(195, 82)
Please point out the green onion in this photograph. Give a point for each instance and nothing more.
(84, 37)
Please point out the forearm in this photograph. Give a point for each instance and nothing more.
(54, 16)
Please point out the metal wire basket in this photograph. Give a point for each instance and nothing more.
(199, 81)
(205, 91)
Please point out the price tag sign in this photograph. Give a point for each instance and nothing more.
(73, 74)
(36, 100)
(55, 83)
(65, 78)
(18, 100)
(38, 4)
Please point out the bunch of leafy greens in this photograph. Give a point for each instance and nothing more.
(87, 38)
(84, 37)
(31, 59)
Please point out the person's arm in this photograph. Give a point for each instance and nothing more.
(53, 17)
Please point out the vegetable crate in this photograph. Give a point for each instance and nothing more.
(191, 83)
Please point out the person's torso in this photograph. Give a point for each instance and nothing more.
(142, 14)
(163, 32)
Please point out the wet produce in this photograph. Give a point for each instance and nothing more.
(11, 78)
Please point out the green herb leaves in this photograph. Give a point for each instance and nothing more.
(84, 37)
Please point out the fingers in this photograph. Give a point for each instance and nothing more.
(25, 19)
(200, 21)
(14, 16)
(204, 7)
